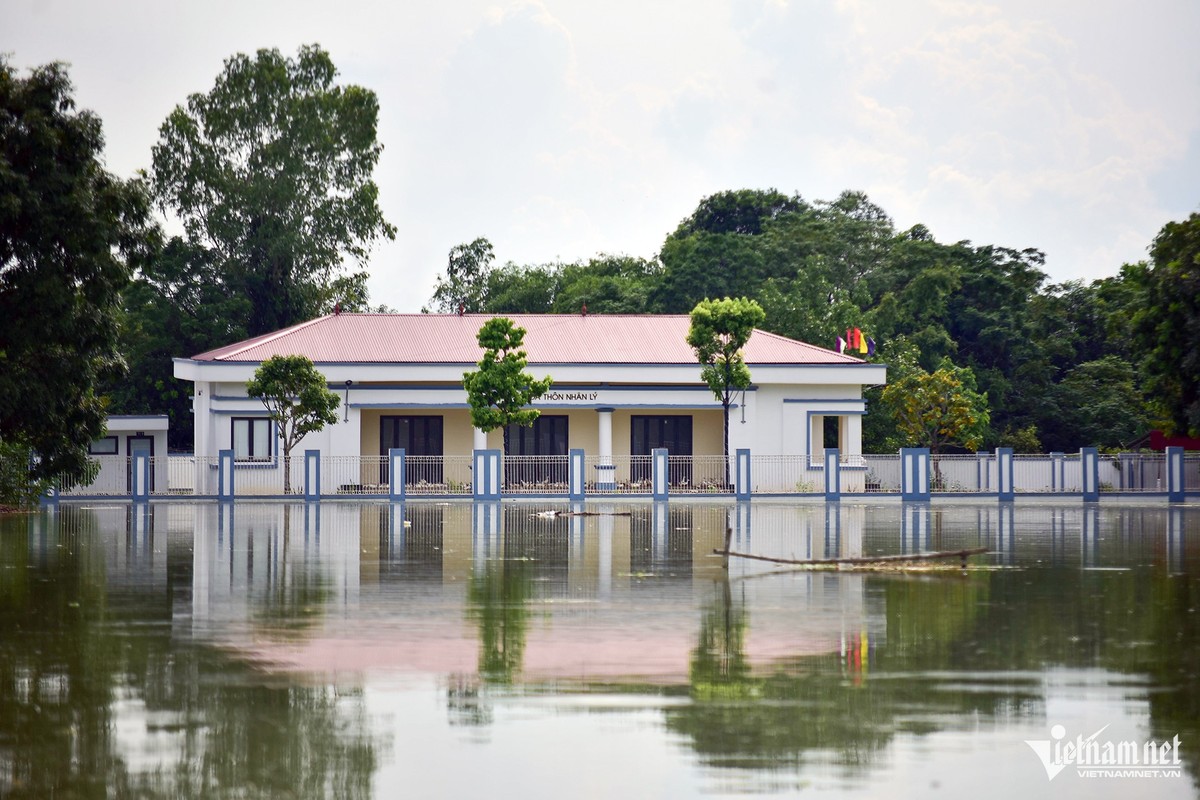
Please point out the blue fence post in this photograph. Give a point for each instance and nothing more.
(141, 478)
(833, 474)
(742, 474)
(225, 487)
(397, 474)
(486, 477)
(1004, 474)
(1089, 463)
(660, 472)
(1175, 482)
(312, 474)
(578, 473)
(1058, 473)
(914, 473)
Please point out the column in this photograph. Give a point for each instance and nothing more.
(816, 439)
(1004, 473)
(487, 465)
(480, 438)
(576, 479)
(397, 477)
(833, 474)
(1175, 476)
(850, 440)
(1089, 462)
(606, 471)
(914, 473)
(225, 475)
(660, 471)
(312, 474)
(742, 482)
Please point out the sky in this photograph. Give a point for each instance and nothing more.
(560, 130)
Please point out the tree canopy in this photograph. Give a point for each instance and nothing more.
(271, 172)
(500, 390)
(69, 235)
(718, 332)
(298, 401)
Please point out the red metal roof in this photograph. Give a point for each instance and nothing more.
(549, 339)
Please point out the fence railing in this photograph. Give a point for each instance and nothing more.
(196, 476)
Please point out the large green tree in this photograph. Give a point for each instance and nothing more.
(69, 234)
(719, 330)
(298, 400)
(500, 391)
(463, 287)
(271, 172)
(938, 409)
(1168, 325)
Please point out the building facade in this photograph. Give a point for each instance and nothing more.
(623, 385)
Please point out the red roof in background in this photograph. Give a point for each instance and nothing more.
(549, 339)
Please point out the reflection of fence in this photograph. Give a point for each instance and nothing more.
(192, 476)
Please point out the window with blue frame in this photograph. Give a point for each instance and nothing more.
(251, 437)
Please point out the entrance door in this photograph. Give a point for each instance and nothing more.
(419, 436)
(134, 446)
(546, 437)
(647, 433)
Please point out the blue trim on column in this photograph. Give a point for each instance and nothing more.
(397, 474)
(1058, 476)
(312, 474)
(914, 473)
(225, 473)
(833, 474)
(1089, 464)
(1175, 476)
(487, 468)
(575, 479)
(742, 481)
(141, 478)
(660, 472)
(1004, 474)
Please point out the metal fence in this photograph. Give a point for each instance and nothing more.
(193, 476)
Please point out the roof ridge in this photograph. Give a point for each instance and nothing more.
(271, 337)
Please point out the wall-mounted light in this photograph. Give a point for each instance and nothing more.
(346, 405)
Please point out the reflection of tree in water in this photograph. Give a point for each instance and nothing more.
(293, 602)
(498, 602)
(812, 706)
(76, 670)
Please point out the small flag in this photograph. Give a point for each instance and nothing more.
(862, 341)
(841, 345)
(870, 347)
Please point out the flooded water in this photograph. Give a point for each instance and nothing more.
(455, 650)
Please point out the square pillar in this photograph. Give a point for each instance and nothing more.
(578, 473)
(397, 474)
(140, 485)
(914, 473)
(660, 470)
(312, 474)
(1175, 477)
(225, 475)
(1058, 475)
(833, 474)
(1089, 462)
(1004, 473)
(486, 474)
(742, 474)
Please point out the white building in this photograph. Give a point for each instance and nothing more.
(623, 385)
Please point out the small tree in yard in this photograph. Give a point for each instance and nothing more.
(500, 389)
(719, 331)
(939, 408)
(298, 399)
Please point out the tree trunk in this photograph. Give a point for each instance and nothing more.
(287, 471)
(725, 438)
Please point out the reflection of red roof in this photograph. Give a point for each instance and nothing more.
(549, 339)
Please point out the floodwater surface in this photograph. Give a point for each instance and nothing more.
(519, 650)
